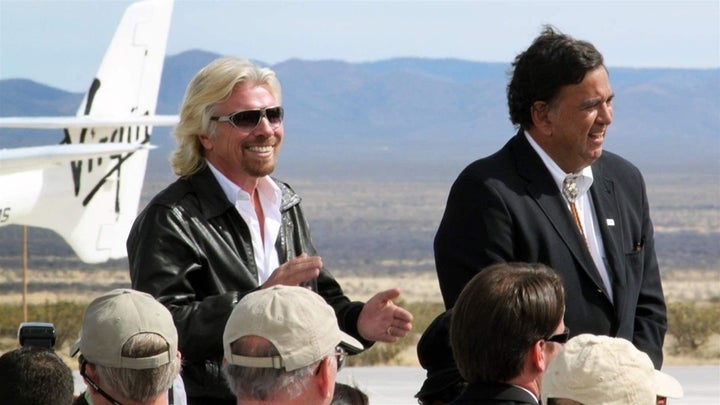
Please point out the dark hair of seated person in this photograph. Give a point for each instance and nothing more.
(33, 375)
(348, 395)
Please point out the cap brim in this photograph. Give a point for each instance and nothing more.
(349, 343)
(75, 348)
(667, 386)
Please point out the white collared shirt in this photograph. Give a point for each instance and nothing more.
(585, 208)
(270, 195)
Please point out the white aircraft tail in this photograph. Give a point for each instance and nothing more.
(91, 198)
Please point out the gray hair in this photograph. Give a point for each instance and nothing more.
(141, 385)
(262, 384)
(211, 86)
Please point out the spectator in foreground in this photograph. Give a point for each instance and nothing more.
(506, 328)
(282, 345)
(443, 382)
(128, 350)
(34, 376)
(603, 370)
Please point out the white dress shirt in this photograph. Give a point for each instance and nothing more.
(270, 195)
(585, 208)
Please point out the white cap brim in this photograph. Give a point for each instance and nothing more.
(667, 386)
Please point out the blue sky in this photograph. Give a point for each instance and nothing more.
(61, 42)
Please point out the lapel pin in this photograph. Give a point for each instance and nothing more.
(610, 222)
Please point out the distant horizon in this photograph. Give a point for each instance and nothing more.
(611, 67)
(673, 34)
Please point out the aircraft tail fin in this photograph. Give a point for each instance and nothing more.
(92, 201)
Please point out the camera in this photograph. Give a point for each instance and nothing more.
(37, 334)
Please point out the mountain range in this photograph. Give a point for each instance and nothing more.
(362, 131)
(421, 118)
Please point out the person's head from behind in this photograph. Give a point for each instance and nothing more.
(128, 348)
(33, 376)
(232, 116)
(605, 370)
(443, 383)
(560, 93)
(508, 323)
(283, 344)
(349, 395)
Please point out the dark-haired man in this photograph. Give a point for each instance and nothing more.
(506, 328)
(552, 195)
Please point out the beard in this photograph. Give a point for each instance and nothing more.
(259, 168)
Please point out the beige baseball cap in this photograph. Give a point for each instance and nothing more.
(297, 321)
(607, 371)
(113, 318)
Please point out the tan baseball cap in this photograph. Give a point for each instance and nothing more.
(113, 318)
(604, 370)
(297, 321)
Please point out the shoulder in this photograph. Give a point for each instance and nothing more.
(195, 195)
(289, 197)
(613, 165)
(174, 193)
(503, 162)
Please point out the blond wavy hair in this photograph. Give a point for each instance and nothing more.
(211, 86)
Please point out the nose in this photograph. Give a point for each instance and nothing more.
(605, 114)
(264, 126)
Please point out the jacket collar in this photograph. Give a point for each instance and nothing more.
(215, 202)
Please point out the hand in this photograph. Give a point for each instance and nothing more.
(295, 271)
(381, 320)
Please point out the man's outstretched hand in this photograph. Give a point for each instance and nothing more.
(383, 321)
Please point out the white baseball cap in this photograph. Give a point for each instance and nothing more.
(606, 371)
(297, 321)
(111, 319)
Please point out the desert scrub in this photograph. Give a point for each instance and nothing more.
(65, 315)
(692, 324)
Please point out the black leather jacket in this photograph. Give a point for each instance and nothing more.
(191, 249)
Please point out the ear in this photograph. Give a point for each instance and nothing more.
(540, 113)
(206, 141)
(325, 378)
(90, 370)
(91, 373)
(538, 357)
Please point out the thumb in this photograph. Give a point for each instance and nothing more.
(389, 295)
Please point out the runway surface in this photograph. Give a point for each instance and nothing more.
(398, 385)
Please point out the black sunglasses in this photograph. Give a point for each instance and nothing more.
(95, 386)
(248, 120)
(561, 338)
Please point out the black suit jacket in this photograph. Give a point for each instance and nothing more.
(506, 207)
(495, 394)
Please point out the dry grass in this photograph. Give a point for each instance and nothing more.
(422, 287)
(80, 286)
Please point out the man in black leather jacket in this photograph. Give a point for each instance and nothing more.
(226, 228)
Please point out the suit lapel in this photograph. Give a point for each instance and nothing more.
(609, 221)
(546, 194)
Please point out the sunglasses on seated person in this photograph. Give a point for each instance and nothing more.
(248, 120)
(561, 338)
